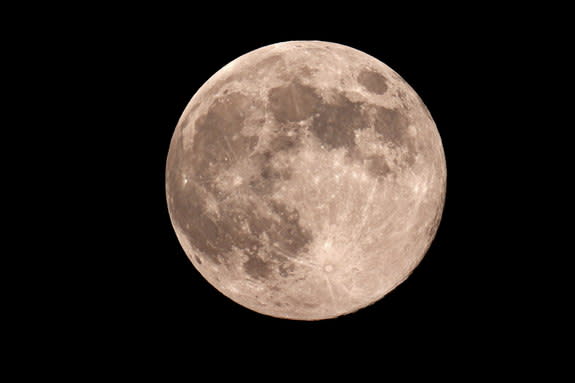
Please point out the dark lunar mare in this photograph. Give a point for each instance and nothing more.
(271, 235)
(373, 81)
(268, 232)
(334, 123)
(217, 139)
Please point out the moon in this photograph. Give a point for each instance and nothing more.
(305, 180)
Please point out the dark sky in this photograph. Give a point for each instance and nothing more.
(141, 295)
(448, 294)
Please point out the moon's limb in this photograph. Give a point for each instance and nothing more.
(305, 180)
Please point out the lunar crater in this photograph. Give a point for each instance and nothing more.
(373, 81)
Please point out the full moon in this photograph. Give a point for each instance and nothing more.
(305, 180)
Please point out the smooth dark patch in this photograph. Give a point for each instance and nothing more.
(263, 182)
(272, 174)
(257, 268)
(261, 186)
(335, 123)
(373, 81)
(240, 227)
(239, 224)
(283, 142)
(214, 147)
(285, 232)
(289, 235)
(392, 125)
(377, 166)
(198, 259)
(204, 232)
(293, 102)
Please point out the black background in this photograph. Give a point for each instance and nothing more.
(133, 290)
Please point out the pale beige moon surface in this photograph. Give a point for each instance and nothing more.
(305, 180)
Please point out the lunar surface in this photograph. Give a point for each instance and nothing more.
(305, 180)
